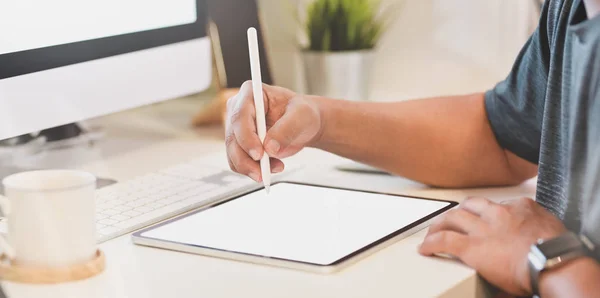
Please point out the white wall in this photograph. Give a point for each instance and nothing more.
(435, 47)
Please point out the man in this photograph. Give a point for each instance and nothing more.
(543, 119)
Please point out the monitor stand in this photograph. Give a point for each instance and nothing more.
(68, 136)
(63, 132)
(29, 145)
(55, 134)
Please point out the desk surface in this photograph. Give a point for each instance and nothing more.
(153, 137)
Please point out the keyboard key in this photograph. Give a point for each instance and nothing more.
(135, 204)
(144, 193)
(245, 183)
(100, 216)
(100, 226)
(164, 202)
(175, 198)
(131, 213)
(109, 230)
(150, 217)
(213, 193)
(120, 217)
(205, 187)
(143, 209)
(110, 212)
(118, 201)
(232, 178)
(193, 184)
(177, 207)
(111, 203)
(189, 193)
(145, 200)
(159, 204)
(153, 206)
(194, 200)
(127, 198)
(154, 197)
(102, 206)
(108, 221)
(181, 189)
(122, 208)
(164, 194)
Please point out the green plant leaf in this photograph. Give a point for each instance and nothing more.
(345, 25)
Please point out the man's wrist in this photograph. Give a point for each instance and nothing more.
(551, 253)
(324, 107)
(576, 276)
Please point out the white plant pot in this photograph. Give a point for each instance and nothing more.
(341, 75)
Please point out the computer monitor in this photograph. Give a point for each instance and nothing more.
(65, 61)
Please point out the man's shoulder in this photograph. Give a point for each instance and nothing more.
(558, 10)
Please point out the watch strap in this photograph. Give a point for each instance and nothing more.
(553, 253)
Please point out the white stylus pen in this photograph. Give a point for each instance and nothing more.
(259, 104)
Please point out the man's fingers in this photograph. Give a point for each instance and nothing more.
(477, 205)
(240, 162)
(245, 133)
(524, 202)
(445, 242)
(241, 121)
(486, 209)
(288, 129)
(277, 166)
(457, 220)
(282, 134)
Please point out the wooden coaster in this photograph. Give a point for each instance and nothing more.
(32, 275)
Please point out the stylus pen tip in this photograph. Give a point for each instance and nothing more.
(268, 188)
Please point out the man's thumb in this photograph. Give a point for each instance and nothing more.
(284, 133)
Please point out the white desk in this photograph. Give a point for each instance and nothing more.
(157, 136)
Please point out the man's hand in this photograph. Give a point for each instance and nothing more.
(494, 239)
(293, 122)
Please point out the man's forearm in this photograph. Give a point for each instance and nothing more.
(444, 142)
(580, 278)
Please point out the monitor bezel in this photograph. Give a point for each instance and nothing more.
(40, 59)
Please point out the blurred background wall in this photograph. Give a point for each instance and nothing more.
(435, 47)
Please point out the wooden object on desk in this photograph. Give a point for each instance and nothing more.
(214, 112)
(30, 275)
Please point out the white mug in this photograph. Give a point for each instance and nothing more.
(50, 218)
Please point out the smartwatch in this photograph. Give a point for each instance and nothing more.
(548, 254)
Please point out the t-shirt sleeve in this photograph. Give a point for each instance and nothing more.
(515, 106)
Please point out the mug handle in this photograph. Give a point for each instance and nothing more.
(4, 246)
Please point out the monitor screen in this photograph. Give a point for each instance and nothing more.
(82, 59)
(40, 35)
(33, 24)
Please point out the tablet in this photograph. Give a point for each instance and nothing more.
(298, 226)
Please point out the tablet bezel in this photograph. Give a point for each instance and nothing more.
(138, 237)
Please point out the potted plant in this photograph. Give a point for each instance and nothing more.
(341, 37)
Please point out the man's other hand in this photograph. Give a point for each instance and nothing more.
(494, 239)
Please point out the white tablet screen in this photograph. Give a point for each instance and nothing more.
(310, 224)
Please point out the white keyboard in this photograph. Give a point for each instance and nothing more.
(127, 206)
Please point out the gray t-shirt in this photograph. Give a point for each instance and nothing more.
(547, 111)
